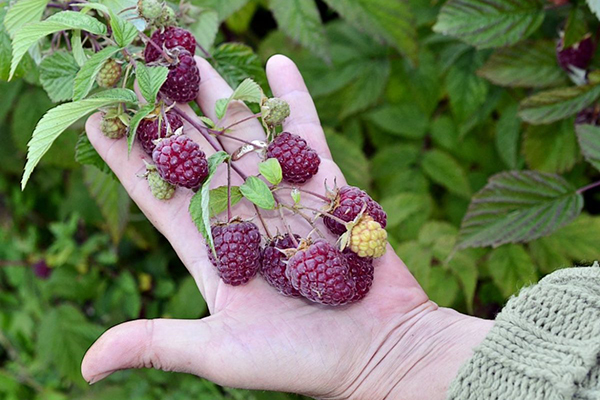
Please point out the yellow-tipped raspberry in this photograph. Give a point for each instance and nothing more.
(368, 238)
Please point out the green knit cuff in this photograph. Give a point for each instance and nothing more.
(545, 344)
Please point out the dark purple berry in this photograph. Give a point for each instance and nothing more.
(298, 161)
(180, 161)
(274, 263)
(579, 55)
(348, 203)
(361, 271)
(171, 37)
(183, 81)
(147, 131)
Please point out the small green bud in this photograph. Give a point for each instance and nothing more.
(160, 188)
(109, 74)
(274, 111)
(112, 125)
(150, 10)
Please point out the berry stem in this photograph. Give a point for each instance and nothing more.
(67, 41)
(203, 50)
(156, 46)
(321, 212)
(317, 195)
(588, 187)
(304, 216)
(253, 116)
(287, 227)
(229, 190)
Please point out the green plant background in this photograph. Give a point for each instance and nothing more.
(410, 119)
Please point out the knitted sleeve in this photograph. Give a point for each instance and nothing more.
(545, 344)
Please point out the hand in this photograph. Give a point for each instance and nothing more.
(393, 344)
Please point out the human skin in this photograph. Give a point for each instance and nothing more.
(394, 344)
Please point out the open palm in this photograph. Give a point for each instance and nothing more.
(386, 346)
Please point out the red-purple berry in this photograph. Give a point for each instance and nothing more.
(274, 264)
(348, 203)
(361, 272)
(169, 39)
(298, 161)
(589, 115)
(578, 55)
(238, 252)
(180, 161)
(147, 131)
(321, 274)
(183, 81)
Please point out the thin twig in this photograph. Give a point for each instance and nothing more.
(320, 196)
(229, 190)
(253, 116)
(333, 217)
(287, 227)
(156, 46)
(203, 50)
(305, 217)
(588, 187)
(67, 41)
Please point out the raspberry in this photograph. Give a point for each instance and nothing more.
(182, 84)
(42, 270)
(274, 263)
(274, 111)
(109, 74)
(368, 238)
(361, 271)
(112, 126)
(160, 188)
(238, 252)
(147, 131)
(171, 38)
(322, 274)
(298, 161)
(150, 10)
(180, 161)
(578, 56)
(348, 203)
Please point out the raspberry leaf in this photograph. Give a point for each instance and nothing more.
(556, 104)
(518, 206)
(22, 13)
(589, 142)
(150, 80)
(57, 72)
(494, 23)
(446, 171)
(65, 20)
(218, 199)
(552, 147)
(78, 52)
(248, 91)
(55, 121)
(508, 130)
(87, 74)
(529, 64)
(86, 154)
(135, 122)
(257, 191)
(511, 268)
(123, 31)
(205, 28)
(271, 170)
(576, 27)
(236, 62)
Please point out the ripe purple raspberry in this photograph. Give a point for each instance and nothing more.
(362, 272)
(238, 252)
(180, 161)
(147, 131)
(183, 82)
(348, 203)
(170, 38)
(274, 264)
(579, 55)
(322, 274)
(298, 161)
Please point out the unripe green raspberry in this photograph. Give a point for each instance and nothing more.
(160, 188)
(368, 238)
(109, 74)
(167, 17)
(150, 10)
(274, 111)
(112, 126)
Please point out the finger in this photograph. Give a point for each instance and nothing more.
(170, 217)
(212, 88)
(286, 83)
(165, 344)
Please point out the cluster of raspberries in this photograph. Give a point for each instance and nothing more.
(315, 270)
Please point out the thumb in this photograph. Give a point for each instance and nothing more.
(166, 344)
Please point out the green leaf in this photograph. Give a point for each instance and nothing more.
(467, 91)
(57, 72)
(405, 120)
(87, 74)
(64, 20)
(112, 199)
(556, 104)
(218, 199)
(465, 269)
(301, 21)
(55, 121)
(150, 80)
(551, 148)
(446, 171)
(187, 303)
(135, 122)
(518, 207)
(508, 129)
(575, 28)
(443, 288)
(248, 91)
(258, 193)
(223, 8)
(349, 156)
(22, 13)
(493, 23)
(236, 62)
(205, 28)
(64, 335)
(78, 53)
(221, 107)
(589, 142)
(124, 31)
(529, 64)
(388, 20)
(511, 268)
(86, 154)
(402, 206)
(418, 261)
(271, 170)
(5, 55)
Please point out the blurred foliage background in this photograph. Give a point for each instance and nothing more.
(409, 117)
